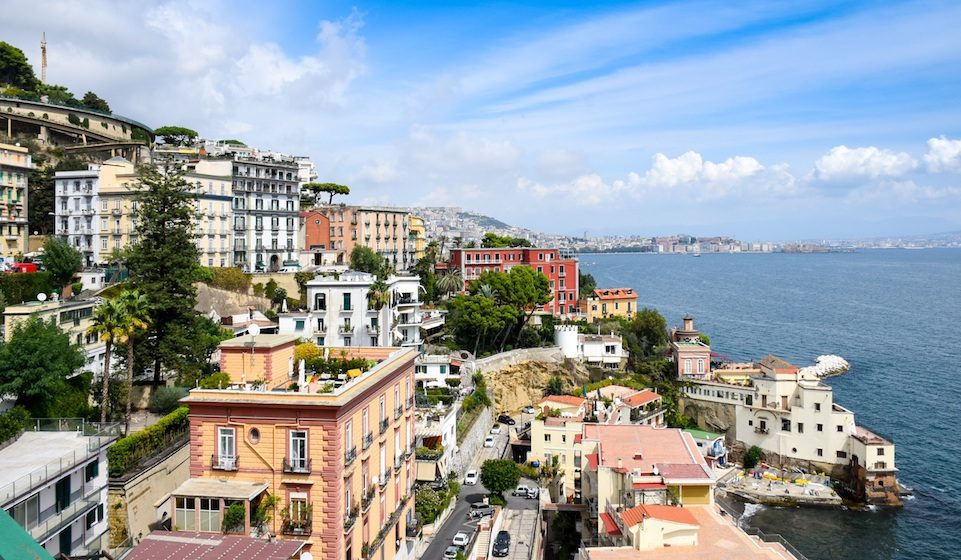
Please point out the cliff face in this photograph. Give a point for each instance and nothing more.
(519, 385)
(716, 417)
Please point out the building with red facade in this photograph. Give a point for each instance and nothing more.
(314, 235)
(560, 269)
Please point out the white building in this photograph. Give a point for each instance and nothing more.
(76, 208)
(432, 370)
(55, 483)
(600, 350)
(436, 431)
(340, 313)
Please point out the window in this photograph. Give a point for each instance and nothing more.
(225, 446)
(210, 514)
(299, 512)
(817, 407)
(347, 301)
(27, 512)
(820, 427)
(92, 471)
(687, 365)
(785, 425)
(880, 452)
(840, 428)
(383, 408)
(563, 438)
(254, 435)
(298, 450)
(94, 516)
(842, 454)
(547, 437)
(185, 514)
(800, 428)
(700, 366)
(320, 302)
(820, 452)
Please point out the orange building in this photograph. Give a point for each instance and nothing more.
(611, 302)
(315, 234)
(336, 453)
(265, 357)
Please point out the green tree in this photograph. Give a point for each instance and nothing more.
(644, 334)
(452, 281)
(499, 475)
(752, 457)
(364, 259)
(270, 288)
(176, 135)
(108, 326)
(492, 240)
(35, 365)
(585, 284)
(555, 386)
(135, 316)
(40, 195)
(523, 288)
(475, 319)
(426, 504)
(61, 260)
(330, 189)
(163, 264)
(378, 295)
(280, 295)
(93, 101)
(15, 70)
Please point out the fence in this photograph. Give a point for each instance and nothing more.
(755, 532)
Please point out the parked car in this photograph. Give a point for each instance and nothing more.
(502, 544)
(461, 539)
(451, 552)
(489, 441)
(438, 484)
(529, 410)
(506, 419)
(479, 510)
(470, 478)
(496, 429)
(521, 490)
(533, 493)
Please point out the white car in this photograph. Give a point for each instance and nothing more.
(496, 429)
(470, 478)
(489, 441)
(451, 552)
(530, 410)
(461, 539)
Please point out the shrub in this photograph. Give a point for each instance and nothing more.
(12, 423)
(752, 457)
(270, 289)
(233, 518)
(123, 454)
(427, 505)
(24, 286)
(165, 400)
(259, 289)
(85, 123)
(73, 119)
(218, 380)
(230, 278)
(77, 287)
(46, 117)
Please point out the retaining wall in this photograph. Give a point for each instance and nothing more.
(473, 442)
(504, 359)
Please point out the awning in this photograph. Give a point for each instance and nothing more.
(221, 488)
(610, 526)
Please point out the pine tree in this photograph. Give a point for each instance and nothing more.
(163, 264)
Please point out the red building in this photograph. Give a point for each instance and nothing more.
(315, 234)
(561, 270)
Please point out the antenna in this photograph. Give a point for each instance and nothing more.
(43, 58)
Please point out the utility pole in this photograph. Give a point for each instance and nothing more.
(43, 58)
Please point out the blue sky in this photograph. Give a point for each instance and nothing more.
(765, 120)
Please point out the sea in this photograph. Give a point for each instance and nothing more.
(894, 314)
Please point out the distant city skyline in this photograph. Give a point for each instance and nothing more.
(820, 120)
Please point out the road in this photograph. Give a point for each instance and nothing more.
(469, 494)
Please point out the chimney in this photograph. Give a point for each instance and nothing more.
(688, 322)
(620, 463)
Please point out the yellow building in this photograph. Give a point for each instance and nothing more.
(611, 302)
(418, 232)
(336, 451)
(73, 317)
(15, 167)
(556, 433)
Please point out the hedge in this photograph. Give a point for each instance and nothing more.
(12, 423)
(24, 286)
(124, 454)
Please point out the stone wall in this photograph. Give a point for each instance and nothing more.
(504, 359)
(715, 417)
(472, 443)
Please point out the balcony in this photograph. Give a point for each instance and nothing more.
(383, 426)
(239, 227)
(299, 465)
(368, 440)
(116, 211)
(368, 498)
(346, 308)
(384, 479)
(407, 300)
(351, 518)
(57, 520)
(224, 462)
(398, 412)
(345, 329)
(350, 455)
(761, 430)
(410, 402)
(373, 330)
(297, 527)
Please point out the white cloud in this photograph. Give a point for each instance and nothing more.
(842, 162)
(899, 192)
(943, 154)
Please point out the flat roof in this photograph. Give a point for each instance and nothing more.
(221, 488)
(260, 341)
(702, 434)
(180, 545)
(630, 447)
(36, 450)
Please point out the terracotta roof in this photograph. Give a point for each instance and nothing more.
(641, 398)
(674, 471)
(673, 514)
(778, 364)
(610, 526)
(164, 545)
(614, 293)
(630, 447)
(564, 399)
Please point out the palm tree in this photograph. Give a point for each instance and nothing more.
(135, 317)
(451, 282)
(378, 295)
(108, 325)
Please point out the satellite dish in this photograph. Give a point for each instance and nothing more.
(306, 556)
(41, 297)
(253, 329)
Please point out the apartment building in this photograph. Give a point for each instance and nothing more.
(418, 232)
(55, 483)
(15, 166)
(556, 434)
(213, 200)
(560, 269)
(266, 205)
(611, 302)
(383, 229)
(337, 453)
(340, 312)
(73, 316)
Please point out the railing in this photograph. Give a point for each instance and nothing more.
(383, 425)
(98, 435)
(736, 517)
(298, 465)
(398, 412)
(384, 479)
(368, 498)
(350, 455)
(65, 516)
(410, 402)
(345, 329)
(407, 300)
(368, 439)
(224, 463)
(427, 454)
(760, 430)
(351, 518)
(297, 527)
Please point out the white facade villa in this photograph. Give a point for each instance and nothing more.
(432, 370)
(600, 350)
(340, 314)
